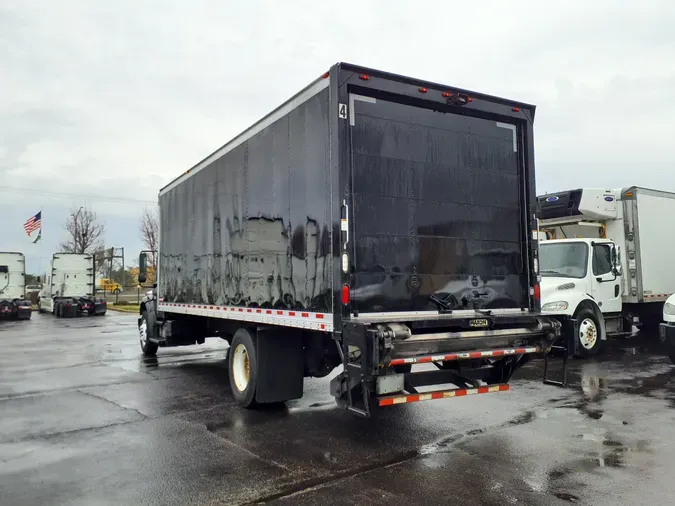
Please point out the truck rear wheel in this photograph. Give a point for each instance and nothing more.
(588, 335)
(149, 348)
(243, 368)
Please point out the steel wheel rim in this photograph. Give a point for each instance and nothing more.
(143, 332)
(241, 368)
(588, 333)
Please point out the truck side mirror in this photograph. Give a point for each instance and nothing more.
(142, 267)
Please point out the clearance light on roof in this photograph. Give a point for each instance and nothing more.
(446, 94)
(325, 75)
(423, 90)
(364, 77)
(515, 109)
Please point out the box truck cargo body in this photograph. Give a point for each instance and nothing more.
(373, 221)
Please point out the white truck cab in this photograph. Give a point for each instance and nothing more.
(13, 303)
(667, 328)
(604, 260)
(581, 278)
(68, 289)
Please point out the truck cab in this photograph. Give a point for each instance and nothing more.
(581, 278)
(13, 303)
(68, 290)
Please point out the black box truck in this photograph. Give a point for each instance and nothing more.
(373, 222)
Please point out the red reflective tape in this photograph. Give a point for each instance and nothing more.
(319, 316)
(475, 354)
(233, 309)
(323, 327)
(280, 312)
(291, 313)
(305, 315)
(423, 360)
(498, 353)
(258, 310)
(269, 311)
(442, 394)
(241, 310)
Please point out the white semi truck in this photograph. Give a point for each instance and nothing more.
(605, 261)
(68, 290)
(13, 303)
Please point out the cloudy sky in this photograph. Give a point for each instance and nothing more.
(102, 103)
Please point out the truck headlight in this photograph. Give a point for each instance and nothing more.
(669, 308)
(559, 305)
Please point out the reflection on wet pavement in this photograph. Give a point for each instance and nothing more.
(87, 420)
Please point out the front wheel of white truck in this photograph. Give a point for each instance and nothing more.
(243, 368)
(588, 333)
(149, 348)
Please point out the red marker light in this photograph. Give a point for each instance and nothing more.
(325, 75)
(446, 94)
(363, 77)
(537, 291)
(423, 90)
(345, 294)
(516, 109)
(469, 99)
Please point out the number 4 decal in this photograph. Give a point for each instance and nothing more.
(342, 111)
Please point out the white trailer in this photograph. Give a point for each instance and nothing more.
(13, 303)
(69, 287)
(606, 261)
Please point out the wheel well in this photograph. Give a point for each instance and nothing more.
(589, 304)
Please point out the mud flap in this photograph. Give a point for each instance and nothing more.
(24, 312)
(281, 365)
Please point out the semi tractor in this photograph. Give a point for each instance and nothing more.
(605, 262)
(13, 303)
(373, 222)
(68, 290)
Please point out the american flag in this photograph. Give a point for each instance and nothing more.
(33, 224)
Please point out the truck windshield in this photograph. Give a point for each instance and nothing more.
(565, 260)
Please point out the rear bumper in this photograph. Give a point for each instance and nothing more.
(377, 357)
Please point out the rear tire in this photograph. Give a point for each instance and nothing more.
(589, 334)
(149, 348)
(57, 310)
(243, 368)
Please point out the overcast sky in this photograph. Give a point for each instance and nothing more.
(114, 99)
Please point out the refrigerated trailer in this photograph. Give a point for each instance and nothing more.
(374, 222)
(68, 290)
(605, 261)
(13, 303)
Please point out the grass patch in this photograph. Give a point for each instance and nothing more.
(124, 308)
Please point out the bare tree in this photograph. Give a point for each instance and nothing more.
(150, 234)
(85, 233)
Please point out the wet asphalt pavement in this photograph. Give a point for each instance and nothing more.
(85, 420)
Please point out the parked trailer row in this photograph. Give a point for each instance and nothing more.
(68, 290)
(13, 303)
(373, 222)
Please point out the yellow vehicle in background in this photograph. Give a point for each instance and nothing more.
(109, 286)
